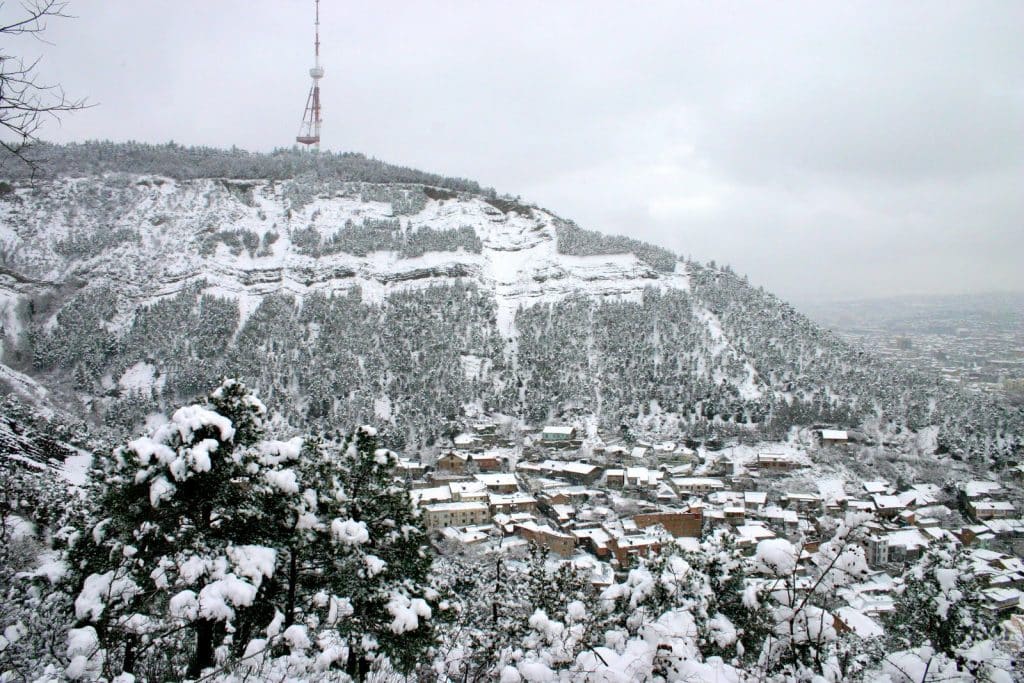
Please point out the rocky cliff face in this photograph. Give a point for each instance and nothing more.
(154, 237)
(412, 305)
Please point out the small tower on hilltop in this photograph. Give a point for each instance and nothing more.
(309, 130)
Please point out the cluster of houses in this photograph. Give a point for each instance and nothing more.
(604, 506)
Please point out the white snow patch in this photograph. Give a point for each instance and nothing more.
(382, 408)
(140, 377)
(777, 556)
(76, 468)
(349, 531)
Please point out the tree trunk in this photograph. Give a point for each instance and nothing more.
(352, 663)
(128, 662)
(293, 579)
(356, 666)
(203, 656)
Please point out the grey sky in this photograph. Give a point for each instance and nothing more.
(824, 149)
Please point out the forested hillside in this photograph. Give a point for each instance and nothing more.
(348, 291)
(216, 365)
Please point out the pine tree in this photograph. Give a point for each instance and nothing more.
(941, 605)
(206, 528)
(175, 508)
(723, 564)
(380, 577)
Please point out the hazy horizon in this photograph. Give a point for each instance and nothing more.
(826, 151)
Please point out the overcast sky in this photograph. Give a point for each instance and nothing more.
(827, 150)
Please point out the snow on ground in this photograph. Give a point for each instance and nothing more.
(471, 366)
(749, 389)
(76, 468)
(25, 386)
(831, 490)
(714, 326)
(382, 408)
(140, 377)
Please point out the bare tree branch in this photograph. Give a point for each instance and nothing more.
(25, 103)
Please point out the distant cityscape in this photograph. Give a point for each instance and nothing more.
(976, 340)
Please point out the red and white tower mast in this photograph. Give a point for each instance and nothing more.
(309, 130)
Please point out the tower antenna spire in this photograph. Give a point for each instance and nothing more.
(309, 129)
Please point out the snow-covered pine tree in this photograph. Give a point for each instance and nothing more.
(37, 516)
(379, 600)
(940, 605)
(733, 607)
(176, 546)
(209, 536)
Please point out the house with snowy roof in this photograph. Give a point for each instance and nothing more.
(453, 461)
(776, 462)
(887, 506)
(508, 503)
(557, 435)
(468, 491)
(666, 494)
(643, 478)
(440, 515)
(857, 505)
(506, 522)
(581, 472)
(562, 513)
(470, 535)
(615, 477)
(834, 437)
(595, 539)
(463, 462)
(407, 469)
(725, 498)
(696, 485)
(980, 488)
(625, 548)
(488, 461)
(484, 428)
(748, 535)
(851, 620)
(1002, 600)
(498, 482)
(990, 509)
(545, 536)
(754, 500)
(1007, 527)
(917, 498)
(784, 522)
(976, 535)
(433, 494)
(907, 545)
(802, 502)
(679, 523)
(561, 493)
(467, 442)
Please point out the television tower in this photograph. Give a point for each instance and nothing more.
(309, 129)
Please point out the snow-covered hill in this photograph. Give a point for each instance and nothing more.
(412, 304)
(151, 236)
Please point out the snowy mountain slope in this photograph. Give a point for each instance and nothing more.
(405, 304)
(58, 231)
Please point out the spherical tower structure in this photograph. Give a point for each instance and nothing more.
(309, 129)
